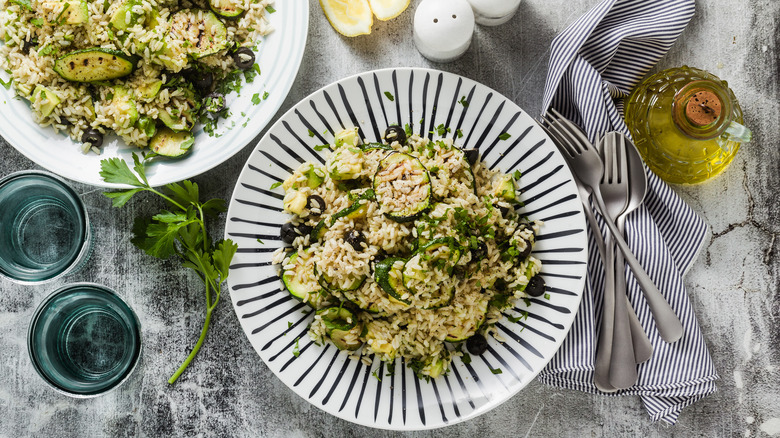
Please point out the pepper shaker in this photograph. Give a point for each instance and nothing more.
(494, 12)
(443, 29)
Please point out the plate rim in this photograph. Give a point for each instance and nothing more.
(486, 407)
(160, 179)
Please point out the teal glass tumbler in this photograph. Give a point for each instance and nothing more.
(44, 227)
(84, 340)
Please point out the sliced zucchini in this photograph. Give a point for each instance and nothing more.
(201, 32)
(386, 349)
(349, 284)
(346, 166)
(337, 318)
(124, 17)
(319, 230)
(313, 179)
(294, 202)
(225, 10)
(352, 298)
(402, 186)
(357, 210)
(95, 64)
(434, 367)
(347, 137)
(438, 257)
(348, 340)
(46, 100)
(122, 103)
(68, 12)
(173, 144)
(301, 282)
(506, 189)
(149, 90)
(146, 125)
(389, 276)
(464, 331)
(375, 147)
(181, 120)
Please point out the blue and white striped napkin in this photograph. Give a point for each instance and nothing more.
(594, 63)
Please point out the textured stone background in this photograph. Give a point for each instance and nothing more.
(228, 391)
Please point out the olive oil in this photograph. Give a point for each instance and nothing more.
(686, 123)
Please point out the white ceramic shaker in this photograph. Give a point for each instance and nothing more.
(494, 12)
(443, 29)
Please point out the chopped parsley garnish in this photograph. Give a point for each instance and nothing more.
(270, 9)
(408, 130)
(276, 184)
(296, 350)
(265, 95)
(516, 174)
(441, 130)
(546, 296)
(496, 370)
(389, 95)
(321, 147)
(466, 358)
(5, 84)
(256, 68)
(504, 136)
(390, 369)
(46, 50)
(375, 374)
(463, 101)
(459, 133)
(26, 4)
(260, 242)
(38, 22)
(256, 98)
(311, 134)
(289, 324)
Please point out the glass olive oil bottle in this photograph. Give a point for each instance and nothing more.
(686, 123)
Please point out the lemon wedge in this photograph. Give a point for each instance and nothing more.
(387, 9)
(349, 17)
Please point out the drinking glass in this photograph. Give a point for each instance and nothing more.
(84, 340)
(44, 228)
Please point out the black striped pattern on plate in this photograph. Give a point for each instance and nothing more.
(276, 323)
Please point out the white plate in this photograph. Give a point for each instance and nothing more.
(279, 56)
(273, 320)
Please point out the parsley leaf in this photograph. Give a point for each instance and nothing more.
(296, 350)
(496, 370)
(504, 136)
(466, 358)
(276, 184)
(270, 9)
(459, 133)
(256, 98)
(389, 95)
(311, 134)
(464, 102)
(321, 147)
(178, 231)
(376, 375)
(265, 94)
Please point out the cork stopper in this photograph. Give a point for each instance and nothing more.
(703, 108)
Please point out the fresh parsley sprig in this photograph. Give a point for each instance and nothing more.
(180, 231)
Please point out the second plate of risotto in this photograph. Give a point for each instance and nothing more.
(411, 249)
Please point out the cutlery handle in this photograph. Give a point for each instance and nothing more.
(622, 369)
(643, 349)
(604, 347)
(668, 324)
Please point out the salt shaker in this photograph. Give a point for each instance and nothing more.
(494, 12)
(443, 29)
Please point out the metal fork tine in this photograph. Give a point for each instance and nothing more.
(573, 129)
(562, 141)
(623, 158)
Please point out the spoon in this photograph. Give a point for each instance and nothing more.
(637, 188)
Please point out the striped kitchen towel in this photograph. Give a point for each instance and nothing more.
(594, 63)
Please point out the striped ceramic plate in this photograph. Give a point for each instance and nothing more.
(276, 323)
(279, 56)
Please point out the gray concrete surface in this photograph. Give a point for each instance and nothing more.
(228, 391)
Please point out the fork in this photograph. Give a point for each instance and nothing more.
(622, 371)
(585, 162)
